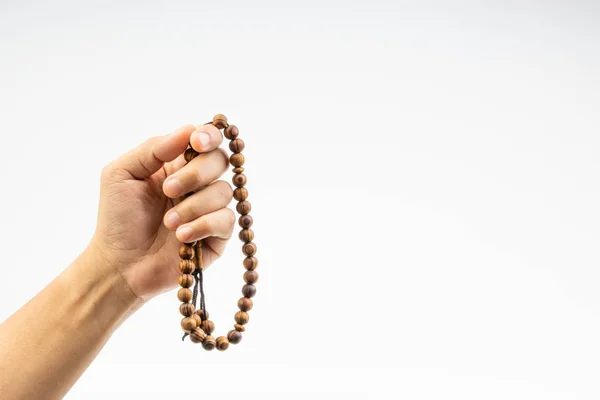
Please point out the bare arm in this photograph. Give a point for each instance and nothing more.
(51, 340)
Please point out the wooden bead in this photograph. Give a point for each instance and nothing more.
(237, 145)
(190, 154)
(186, 309)
(186, 280)
(239, 180)
(245, 304)
(234, 336)
(246, 235)
(250, 263)
(197, 335)
(222, 343)
(237, 159)
(186, 252)
(197, 319)
(231, 132)
(238, 170)
(220, 121)
(208, 326)
(245, 221)
(250, 277)
(209, 343)
(242, 317)
(186, 266)
(203, 315)
(240, 194)
(243, 207)
(188, 324)
(249, 291)
(249, 249)
(239, 328)
(184, 295)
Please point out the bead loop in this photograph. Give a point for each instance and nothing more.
(196, 323)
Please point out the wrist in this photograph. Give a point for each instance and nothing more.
(103, 295)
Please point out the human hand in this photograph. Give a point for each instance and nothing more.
(141, 220)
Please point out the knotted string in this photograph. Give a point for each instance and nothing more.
(199, 282)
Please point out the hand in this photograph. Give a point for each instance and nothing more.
(141, 221)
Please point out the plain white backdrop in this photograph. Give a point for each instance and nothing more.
(424, 181)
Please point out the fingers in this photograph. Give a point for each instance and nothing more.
(150, 156)
(199, 172)
(215, 224)
(206, 138)
(212, 198)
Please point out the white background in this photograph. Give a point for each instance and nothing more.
(424, 181)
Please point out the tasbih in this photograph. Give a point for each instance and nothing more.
(195, 322)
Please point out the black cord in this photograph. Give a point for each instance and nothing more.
(198, 286)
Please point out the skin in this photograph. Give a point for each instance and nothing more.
(132, 257)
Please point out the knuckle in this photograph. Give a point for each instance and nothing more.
(230, 217)
(196, 176)
(203, 226)
(224, 158)
(107, 172)
(225, 192)
(148, 144)
(192, 207)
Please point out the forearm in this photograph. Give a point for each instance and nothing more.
(49, 342)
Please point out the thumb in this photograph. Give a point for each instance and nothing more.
(150, 156)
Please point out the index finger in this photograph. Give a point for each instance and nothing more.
(206, 138)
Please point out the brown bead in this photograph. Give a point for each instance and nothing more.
(188, 324)
(240, 194)
(250, 263)
(245, 304)
(186, 309)
(242, 317)
(197, 319)
(190, 154)
(249, 249)
(220, 121)
(197, 335)
(186, 266)
(239, 328)
(186, 280)
(203, 315)
(238, 170)
(239, 180)
(234, 336)
(237, 145)
(246, 235)
(245, 221)
(231, 132)
(208, 326)
(209, 343)
(248, 291)
(243, 207)
(222, 343)
(237, 159)
(184, 295)
(251, 277)
(186, 252)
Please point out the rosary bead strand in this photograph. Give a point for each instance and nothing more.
(196, 323)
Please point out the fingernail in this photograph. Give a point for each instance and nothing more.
(172, 220)
(184, 233)
(174, 187)
(204, 139)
